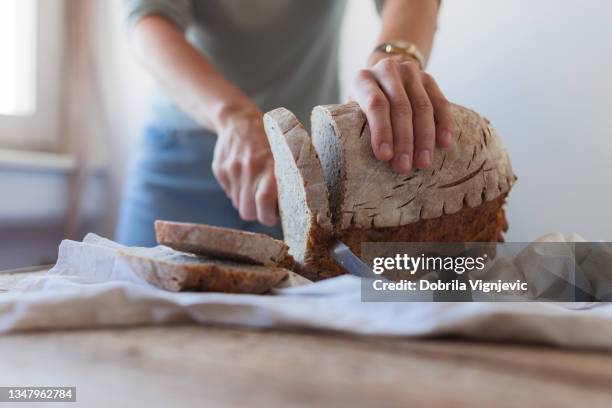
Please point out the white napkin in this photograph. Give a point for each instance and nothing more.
(90, 287)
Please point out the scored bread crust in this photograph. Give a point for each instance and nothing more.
(175, 271)
(369, 194)
(223, 243)
(301, 189)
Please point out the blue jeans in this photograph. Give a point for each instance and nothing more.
(170, 178)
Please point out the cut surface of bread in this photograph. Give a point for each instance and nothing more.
(223, 243)
(302, 191)
(177, 271)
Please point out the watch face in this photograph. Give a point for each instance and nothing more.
(393, 49)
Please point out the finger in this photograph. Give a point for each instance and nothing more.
(374, 103)
(422, 116)
(219, 170)
(222, 178)
(389, 77)
(266, 199)
(233, 172)
(246, 207)
(443, 114)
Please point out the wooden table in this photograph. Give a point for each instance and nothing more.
(213, 366)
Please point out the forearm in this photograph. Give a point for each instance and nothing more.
(188, 78)
(413, 21)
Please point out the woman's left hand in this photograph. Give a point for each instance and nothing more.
(406, 111)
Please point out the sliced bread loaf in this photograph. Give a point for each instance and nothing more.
(459, 199)
(176, 271)
(223, 243)
(302, 191)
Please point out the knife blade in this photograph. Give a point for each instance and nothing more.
(350, 262)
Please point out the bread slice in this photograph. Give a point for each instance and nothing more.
(177, 271)
(302, 191)
(223, 243)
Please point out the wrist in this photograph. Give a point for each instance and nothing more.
(237, 113)
(377, 56)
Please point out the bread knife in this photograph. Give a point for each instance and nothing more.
(349, 261)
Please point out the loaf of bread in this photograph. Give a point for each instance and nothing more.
(223, 243)
(175, 271)
(332, 186)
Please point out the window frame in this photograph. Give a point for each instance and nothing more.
(40, 130)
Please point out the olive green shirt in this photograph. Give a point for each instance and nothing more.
(279, 52)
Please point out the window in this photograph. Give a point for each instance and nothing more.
(18, 51)
(31, 46)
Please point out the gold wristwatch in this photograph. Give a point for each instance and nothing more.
(402, 48)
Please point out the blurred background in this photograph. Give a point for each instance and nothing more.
(72, 100)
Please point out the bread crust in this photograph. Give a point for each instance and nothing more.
(484, 223)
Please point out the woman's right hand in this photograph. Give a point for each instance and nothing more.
(244, 166)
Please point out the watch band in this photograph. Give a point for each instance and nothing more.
(402, 48)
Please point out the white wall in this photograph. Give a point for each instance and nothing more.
(124, 97)
(541, 71)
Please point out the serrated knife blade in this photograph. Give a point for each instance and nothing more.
(350, 262)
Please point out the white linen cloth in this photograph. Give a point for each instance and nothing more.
(90, 287)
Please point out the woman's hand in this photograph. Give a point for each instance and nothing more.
(244, 166)
(407, 113)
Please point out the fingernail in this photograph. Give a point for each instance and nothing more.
(406, 161)
(425, 158)
(386, 151)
